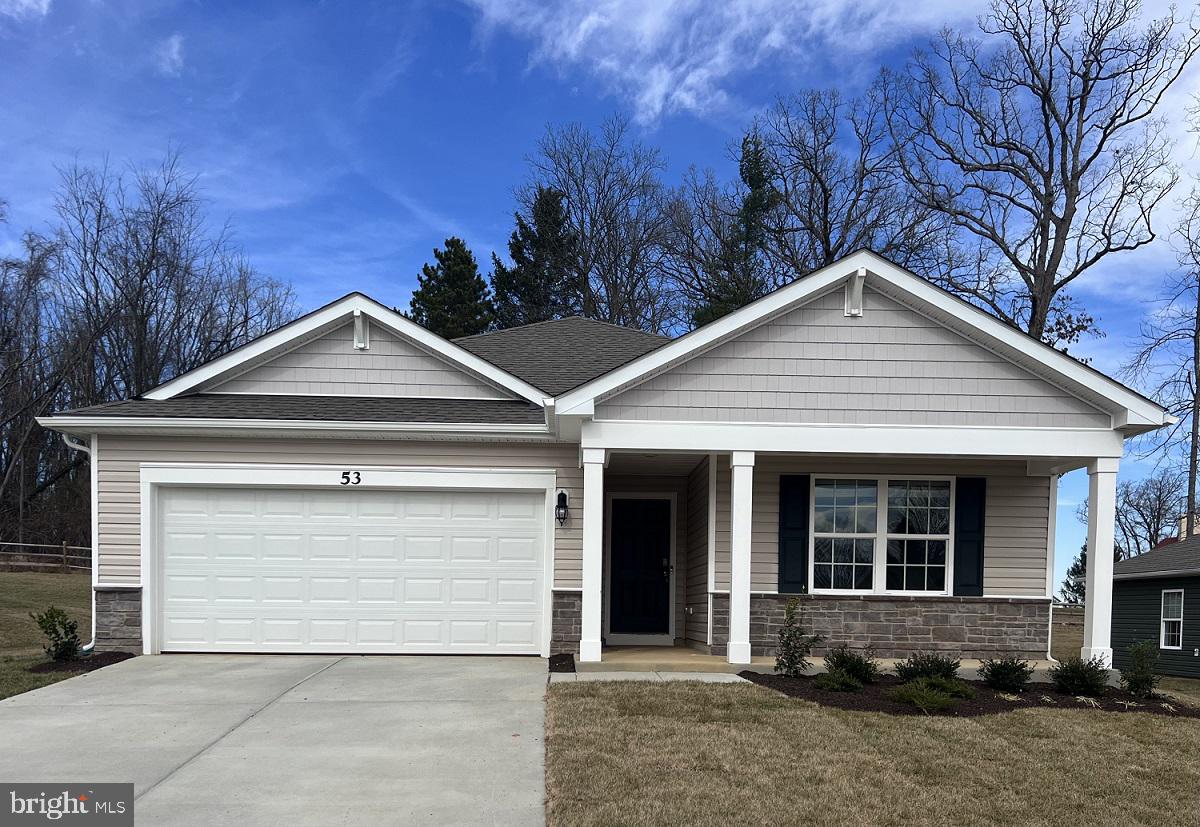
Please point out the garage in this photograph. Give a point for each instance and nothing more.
(351, 570)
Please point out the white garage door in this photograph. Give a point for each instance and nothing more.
(318, 570)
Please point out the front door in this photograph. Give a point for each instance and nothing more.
(640, 567)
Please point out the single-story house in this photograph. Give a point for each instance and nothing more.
(1156, 597)
(860, 440)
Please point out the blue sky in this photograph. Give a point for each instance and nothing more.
(344, 141)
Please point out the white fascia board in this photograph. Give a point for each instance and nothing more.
(1128, 406)
(113, 424)
(878, 440)
(329, 315)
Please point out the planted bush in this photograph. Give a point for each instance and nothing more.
(1008, 674)
(951, 686)
(62, 633)
(861, 666)
(1140, 678)
(1076, 676)
(927, 665)
(795, 644)
(924, 695)
(835, 680)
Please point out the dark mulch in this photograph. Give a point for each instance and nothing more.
(562, 663)
(87, 664)
(875, 698)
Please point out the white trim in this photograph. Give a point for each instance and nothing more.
(591, 626)
(1136, 411)
(741, 551)
(92, 451)
(712, 529)
(629, 639)
(343, 310)
(1163, 620)
(439, 397)
(94, 424)
(1050, 532)
(154, 475)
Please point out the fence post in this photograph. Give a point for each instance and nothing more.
(66, 568)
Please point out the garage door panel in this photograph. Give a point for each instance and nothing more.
(357, 571)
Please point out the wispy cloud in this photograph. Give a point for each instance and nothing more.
(24, 9)
(168, 55)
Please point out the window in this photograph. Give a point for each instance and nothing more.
(1171, 636)
(860, 545)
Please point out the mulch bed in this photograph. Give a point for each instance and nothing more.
(562, 663)
(88, 664)
(875, 698)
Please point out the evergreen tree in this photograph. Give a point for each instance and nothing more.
(1074, 587)
(537, 286)
(451, 298)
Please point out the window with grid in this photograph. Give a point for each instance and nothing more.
(918, 535)
(1172, 620)
(845, 514)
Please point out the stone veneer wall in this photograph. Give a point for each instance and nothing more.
(566, 622)
(970, 627)
(119, 620)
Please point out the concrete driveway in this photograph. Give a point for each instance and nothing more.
(246, 739)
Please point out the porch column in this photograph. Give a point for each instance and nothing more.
(740, 510)
(1102, 515)
(593, 553)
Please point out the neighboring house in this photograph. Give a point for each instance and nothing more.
(860, 439)
(1156, 597)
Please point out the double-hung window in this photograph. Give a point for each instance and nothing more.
(881, 535)
(1171, 632)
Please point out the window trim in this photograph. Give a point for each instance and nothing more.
(881, 535)
(1163, 620)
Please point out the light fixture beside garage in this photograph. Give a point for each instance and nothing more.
(560, 506)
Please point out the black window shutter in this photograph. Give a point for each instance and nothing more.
(793, 533)
(970, 495)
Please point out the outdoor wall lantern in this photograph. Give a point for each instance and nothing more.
(560, 507)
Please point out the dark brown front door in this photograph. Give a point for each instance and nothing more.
(640, 581)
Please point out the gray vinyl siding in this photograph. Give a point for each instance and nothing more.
(892, 366)
(1137, 613)
(120, 494)
(330, 366)
(1016, 518)
(696, 567)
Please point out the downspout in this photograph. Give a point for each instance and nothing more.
(74, 444)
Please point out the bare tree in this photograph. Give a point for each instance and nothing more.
(1041, 142)
(1148, 511)
(614, 200)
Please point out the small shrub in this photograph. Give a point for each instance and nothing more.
(951, 686)
(795, 645)
(927, 665)
(861, 666)
(1008, 674)
(1076, 676)
(62, 633)
(835, 680)
(925, 697)
(1140, 678)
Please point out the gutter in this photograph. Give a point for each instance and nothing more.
(75, 445)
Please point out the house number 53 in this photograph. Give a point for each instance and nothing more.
(351, 478)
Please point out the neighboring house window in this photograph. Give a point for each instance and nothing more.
(860, 546)
(1171, 636)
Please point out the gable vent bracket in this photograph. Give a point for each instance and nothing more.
(854, 293)
(361, 334)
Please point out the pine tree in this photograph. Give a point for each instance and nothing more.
(451, 298)
(537, 286)
(1074, 587)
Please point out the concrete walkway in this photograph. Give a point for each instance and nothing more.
(703, 677)
(296, 740)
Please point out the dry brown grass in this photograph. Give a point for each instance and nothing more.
(692, 753)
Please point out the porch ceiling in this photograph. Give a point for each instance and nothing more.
(666, 464)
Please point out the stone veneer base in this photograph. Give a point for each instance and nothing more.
(119, 619)
(566, 622)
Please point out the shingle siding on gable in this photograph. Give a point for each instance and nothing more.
(331, 366)
(893, 366)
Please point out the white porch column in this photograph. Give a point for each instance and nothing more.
(740, 513)
(593, 553)
(1102, 515)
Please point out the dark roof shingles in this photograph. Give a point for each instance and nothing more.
(1181, 556)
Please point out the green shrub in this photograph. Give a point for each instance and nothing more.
(62, 633)
(927, 665)
(1076, 676)
(795, 645)
(861, 666)
(1008, 674)
(835, 680)
(923, 695)
(951, 686)
(1140, 678)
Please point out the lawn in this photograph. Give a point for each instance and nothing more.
(692, 753)
(20, 640)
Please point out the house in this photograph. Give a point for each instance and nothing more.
(1156, 597)
(859, 439)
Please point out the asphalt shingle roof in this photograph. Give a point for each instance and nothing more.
(334, 408)
(560, 355)
(1181, 556)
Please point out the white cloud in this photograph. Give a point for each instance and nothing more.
(168, 55)
(24, 9)
(684, 55)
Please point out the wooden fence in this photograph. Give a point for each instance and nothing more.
(42, 557)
